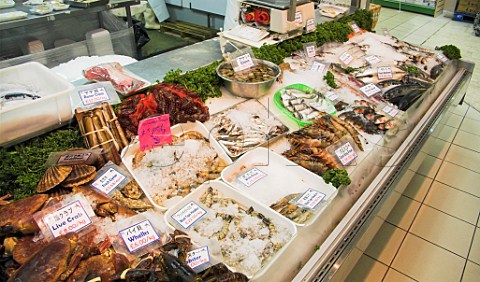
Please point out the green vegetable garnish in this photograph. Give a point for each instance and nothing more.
(350, 69)
(337, 177)
(411, 69)
(330, 79)
(450, 51)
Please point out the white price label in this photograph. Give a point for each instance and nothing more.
(298, 18)
(198, 257)
(442, 57)
(317, 66)
(346, 153)
(331, 96)
(189, 214)
(355, 28)
(372, 59)
(370, 89)
(310, 199)
(93, 96)
(139, 235)
(311, 51)
(384, 73)
(251, 176)
(69, 218)
(244, 62)
(73, 158)
(390, 111)
(346, 58)
(311, 25)
(108, 181)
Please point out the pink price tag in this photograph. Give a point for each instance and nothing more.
(154, 132)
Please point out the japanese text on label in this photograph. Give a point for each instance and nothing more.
(198, 257)
(370, 89)
(346, 153)
(244, 62)
(108, 181)
(384, 73)
(311, 51)
(331, 96)
(138, 235)
(355, 28)
(155, 131)
(298, 17)
(251, 176)
(189, 214)
(442, 57)
(310, 199)
(93, 96)
(70, 218)
(317, 66)
(311, 25)
(372, 59)
(390, 111)
(346, 58)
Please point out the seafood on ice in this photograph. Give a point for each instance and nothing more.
(364, 117)
(285, 207)
(305, 106)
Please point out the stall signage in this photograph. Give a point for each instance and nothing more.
(390, 111)
(198, 257)
(311, 51)
(189, 214)
(370, 89)
(139, 235)
(317, 66)
(346, 154)
(346, 58)
(251, 176)
(244, 62)
(93, 96)
(355, 28)
(442, 57)
(154, 132)
(298, 18)
(372, 59)
(311, 26)
(69, 218)
(73, 158)
(310, 199)
(108, 181)
(331, 96)
(384, 73)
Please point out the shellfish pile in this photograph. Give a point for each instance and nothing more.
(67, 176)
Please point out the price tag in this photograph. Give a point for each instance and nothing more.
(93, 96)
(298, 18)
(311, 26)
(251, 176)
(372, 59)
(355, 28)
(346, 58)
(370, 89)
(109, 181)
(70, 159)
(69, 218)
(331, 96)
(346, 153)
(442, 57)
(310, 199)
(138, 235)
(189, 214)
(244, 62)
(198, 257)
(390, 111)
(154, 132)
(384, 73)
(311, 51)
(317, 66)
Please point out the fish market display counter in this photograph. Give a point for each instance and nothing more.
(327, 247)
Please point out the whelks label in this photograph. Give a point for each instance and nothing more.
(346, 154)
(93, 96)
(251, 176)
(73, 158)
(108, 181)
(189, 214)
(198, 257)
(139, 235)
(310, 199)
(70, 218)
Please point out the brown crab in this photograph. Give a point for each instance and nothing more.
(16, 217)
(104, 266)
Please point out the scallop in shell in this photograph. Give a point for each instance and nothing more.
(80, 174)
(53, 176)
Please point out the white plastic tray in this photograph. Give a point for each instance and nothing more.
(129, 152)
(230, 192)
(283, 178)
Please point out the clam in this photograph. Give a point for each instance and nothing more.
(53, 176)
(80, 174)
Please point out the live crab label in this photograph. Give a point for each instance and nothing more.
(69, 218)
(189, 214)
(250, 177)
(310, 199)
(108, 181)
(346, 154)
(198, 257)
(93, 96)
(139, 235)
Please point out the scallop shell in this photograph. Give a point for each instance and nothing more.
(80, 174)
(53, 176)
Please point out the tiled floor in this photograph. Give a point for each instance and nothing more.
(433, 232)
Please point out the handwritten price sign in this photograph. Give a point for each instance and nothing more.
(139, 235)
(70, 218)
(198, 257)
(244, 62)
(346, 154)
(189, 214)
(251, 176)
(310, 199)
(93, 96)
(370, 89)
(384, 73)
(154, 132)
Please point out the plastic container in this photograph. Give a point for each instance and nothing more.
(129, 152)
(22, 120)
(242, 199)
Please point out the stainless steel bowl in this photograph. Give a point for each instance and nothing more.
(250, 89)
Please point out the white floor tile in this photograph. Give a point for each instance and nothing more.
(460, 110)
(471, 126)
(403, 213)
(460, 178)
(367, 269)
(418, 187)
(395, 276)
(475, 250)
(471, 273)
(452, 120)
(464, 157)
(444, 132)
(429, 166)
(473, 114)
(468, 140)
(435, 147)
(386, 243)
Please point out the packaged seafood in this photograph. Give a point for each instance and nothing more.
(302, 103)
(168, 173)
(244, 126)
(246, 235)
(270, 178)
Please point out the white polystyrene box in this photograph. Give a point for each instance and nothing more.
(24, 120)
